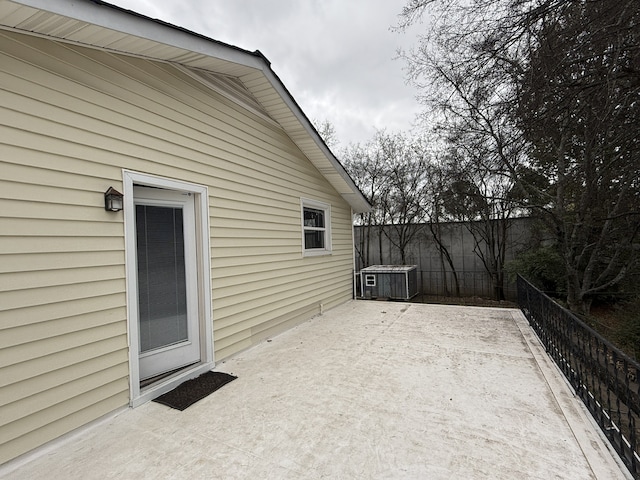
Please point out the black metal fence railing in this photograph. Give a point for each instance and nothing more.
(602, 375)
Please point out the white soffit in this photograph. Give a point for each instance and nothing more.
(97, 24)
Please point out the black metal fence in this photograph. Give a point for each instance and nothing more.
(602, 375)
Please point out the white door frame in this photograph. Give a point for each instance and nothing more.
(137, 395)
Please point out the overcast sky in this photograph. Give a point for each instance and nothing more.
(336, 57)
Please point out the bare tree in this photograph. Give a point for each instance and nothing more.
(435, 217)
(405, 187)
(545, 92)
(470, 103)
(579, 108)
(392, 170)
(483, 201)
(327, 132)
(365, 164)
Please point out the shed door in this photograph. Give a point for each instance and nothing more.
(166, 280)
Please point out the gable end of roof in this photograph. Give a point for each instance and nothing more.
(101, 25)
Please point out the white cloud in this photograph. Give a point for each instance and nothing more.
(335, 57)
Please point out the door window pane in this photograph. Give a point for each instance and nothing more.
(162, 299)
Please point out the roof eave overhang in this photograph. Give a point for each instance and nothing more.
(97, 24)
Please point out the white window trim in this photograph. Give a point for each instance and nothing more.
(207, 362)
(314, 252)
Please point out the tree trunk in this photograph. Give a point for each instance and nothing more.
(576, 300)
(436, 233)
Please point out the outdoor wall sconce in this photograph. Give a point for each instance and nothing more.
(112, 200)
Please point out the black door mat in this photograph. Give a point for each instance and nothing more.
(189, 392)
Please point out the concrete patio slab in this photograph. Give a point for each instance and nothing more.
(367, 390)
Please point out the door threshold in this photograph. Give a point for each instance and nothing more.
(158, 378)
(156, 386)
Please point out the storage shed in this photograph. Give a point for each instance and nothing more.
(394, 282)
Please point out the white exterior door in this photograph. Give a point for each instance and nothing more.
(166, 280)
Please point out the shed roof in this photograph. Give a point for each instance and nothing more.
(389, 268)
(100, 25)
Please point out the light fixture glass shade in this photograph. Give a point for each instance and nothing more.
(113, 200)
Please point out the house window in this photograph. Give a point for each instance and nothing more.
(316, 227)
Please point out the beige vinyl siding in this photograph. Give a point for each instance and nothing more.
(70, 120)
